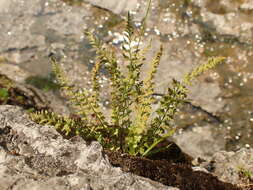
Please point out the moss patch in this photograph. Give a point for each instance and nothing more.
(43, 83)
(4, 94)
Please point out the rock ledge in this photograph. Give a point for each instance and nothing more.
(36, 157)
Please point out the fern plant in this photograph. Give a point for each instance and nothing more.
(135, 132)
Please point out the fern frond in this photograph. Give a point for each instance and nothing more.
(169, 104)
(129, 27)
(76, 98)
(148, 89)
(86, 104)
(212, 62)
(160, 125)
(63, 124)
(109, 60)
(94, 41)
(149, 82)
(60, 75)
(94, 98)
(143, 106)
(95, 79)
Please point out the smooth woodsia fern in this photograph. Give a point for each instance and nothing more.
(131, 127)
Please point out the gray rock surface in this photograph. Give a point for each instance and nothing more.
(200, 141)
(115, 6)
(227, 17)
(36, 157)
(34, 29)
(228, 165)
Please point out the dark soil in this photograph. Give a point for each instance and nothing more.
(172, 168)
(19, 95)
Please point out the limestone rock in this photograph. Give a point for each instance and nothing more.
(115, 6)
(201, 141)
(36, 157)
(227, 165)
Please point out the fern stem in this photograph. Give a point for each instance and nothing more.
(143, 24)
(146, 14)
(147, 152)
(97, 114)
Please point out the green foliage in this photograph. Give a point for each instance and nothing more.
(67, 126)
(43, 83)
(5, 82)
(4, 94)
(245, 173)
(5, 85)
(132, 126)
(212, 62)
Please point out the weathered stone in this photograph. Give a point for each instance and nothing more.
(201, 141)
(37, 157)
(227, 17)
(228, 165)
(32, 30)
(114, 5)
(247, 5)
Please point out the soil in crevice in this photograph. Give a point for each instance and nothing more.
(171, 168)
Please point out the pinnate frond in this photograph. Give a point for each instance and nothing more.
(211, 63)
